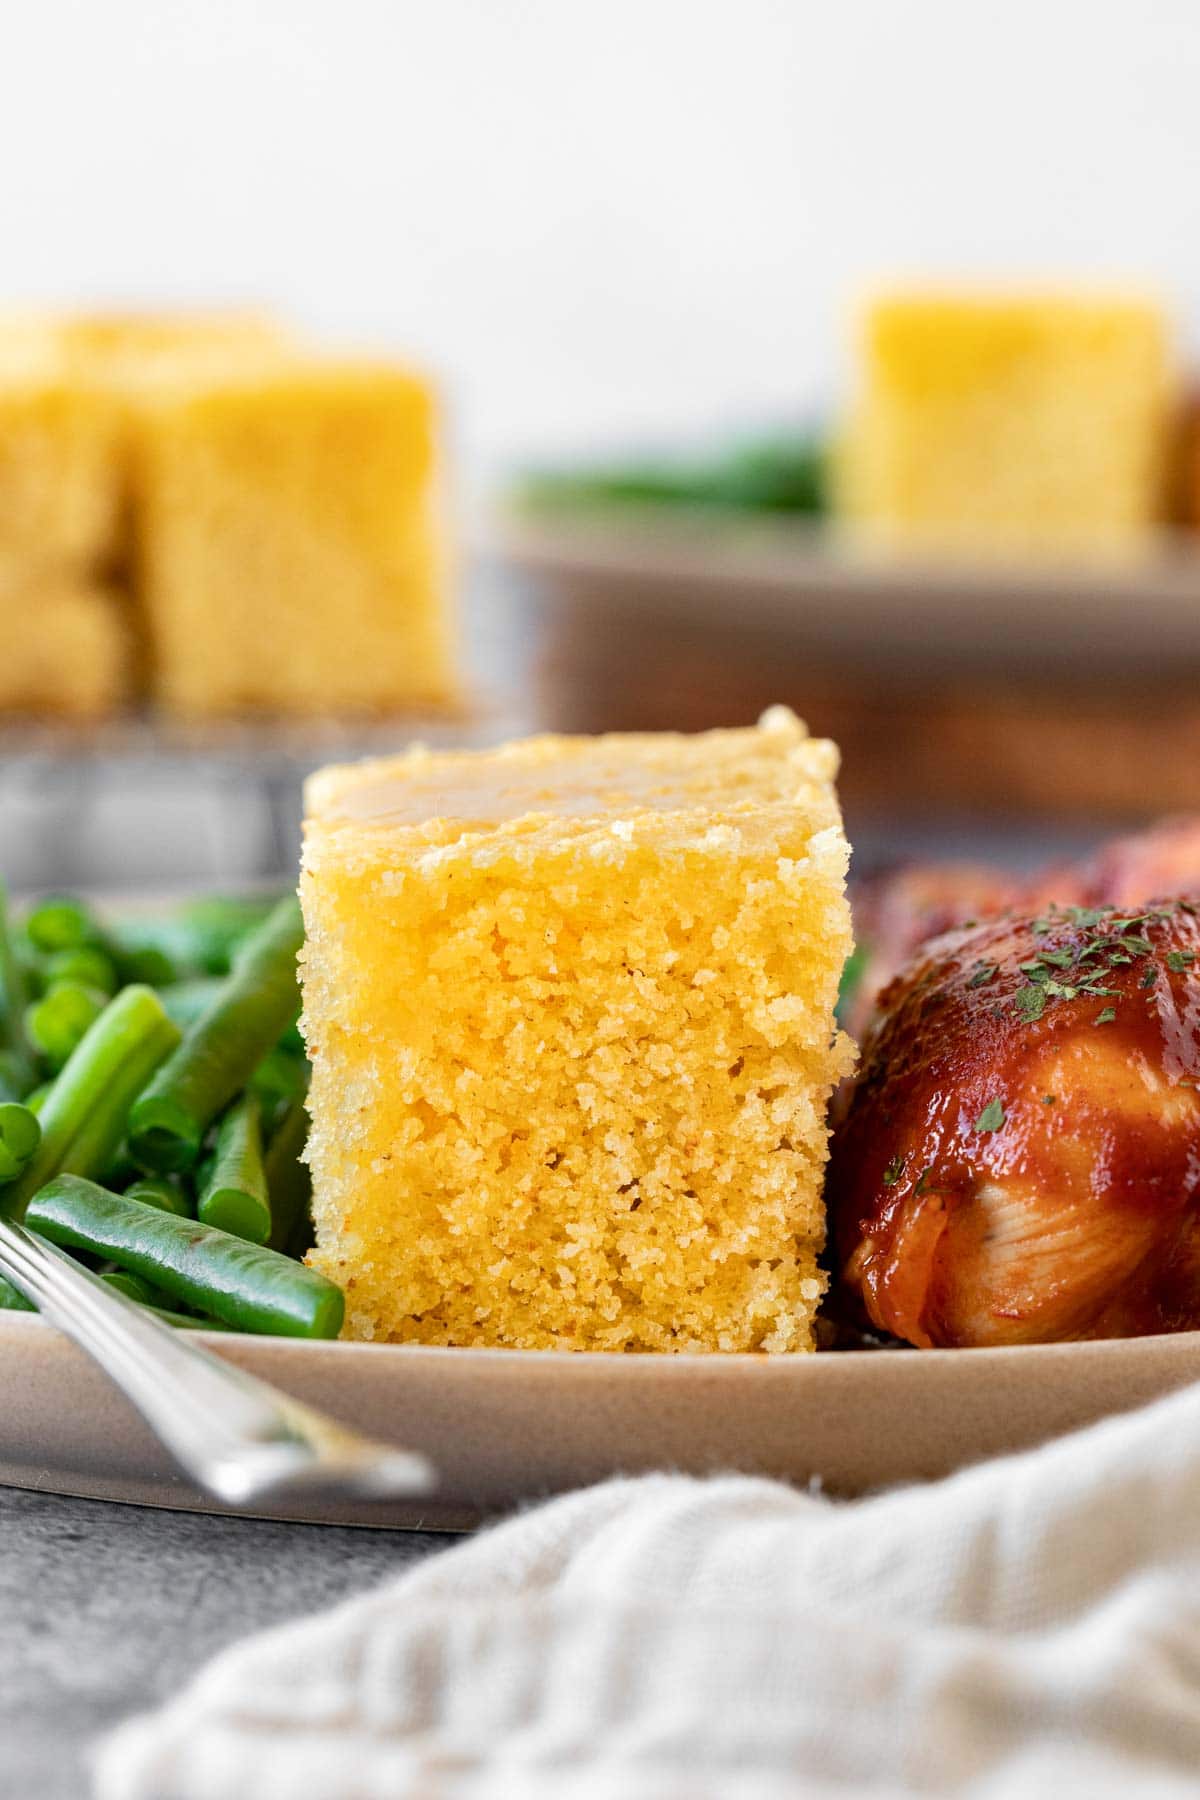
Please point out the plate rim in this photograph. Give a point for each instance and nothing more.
(689, 1361)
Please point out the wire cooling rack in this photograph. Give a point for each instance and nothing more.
(139, 800)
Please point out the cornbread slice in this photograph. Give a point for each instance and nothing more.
(59, 491)
(1030, 421)
(291, 550)
(67, 646)
(570, 1009)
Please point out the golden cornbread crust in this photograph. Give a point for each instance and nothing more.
(570, 1009)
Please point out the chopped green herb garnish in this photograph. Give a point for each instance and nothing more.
(1030, 1004)
(894, 1171)
(1149, 978)
(923, 1179)
(1061, 990)
(1106, 1017)
(1180, 959)
(991, 1118)
(984, 972)
(1049, 1099)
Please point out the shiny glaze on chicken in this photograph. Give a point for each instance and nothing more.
(898, 909)
(1020, 1158)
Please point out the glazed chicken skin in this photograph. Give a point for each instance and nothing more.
(1019, 1161)
(897, 910)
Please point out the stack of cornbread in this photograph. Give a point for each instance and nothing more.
(206, 512)
(570, 1006)
(1028, 422)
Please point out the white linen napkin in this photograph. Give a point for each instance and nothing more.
(1029, 1627)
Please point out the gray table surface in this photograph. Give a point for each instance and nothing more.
(107, 1610)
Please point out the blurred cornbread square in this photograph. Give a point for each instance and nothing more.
(68, 385)
(570, 1010)
(59, 488)
(1037, 421)
(67, 645)
(290, 549)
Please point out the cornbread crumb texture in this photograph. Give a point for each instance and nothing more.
(570, 1006)
(290, 540)
(72, 652)
(68, 384)
(273, 515)
(58, 443)
(1033, 419)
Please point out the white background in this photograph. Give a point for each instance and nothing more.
(598, 218)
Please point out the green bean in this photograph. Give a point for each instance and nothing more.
(56, 1023)
(786, 472)
(219, 928)
(220, 1052)
(234, 1195)
(157, 1191)
(246, 1285)
(20, 1135)
(63, 926)
(280, 1078)
(120, 1169)
(144, 950)
(13, 1000)
(13, 1078)
(60, 923)
(83, 1117)
(289, 1183)
(12, 1299)
(146, 1295)
(87, 965)
(198, 939)
(133, 1287)
(187, 1001)
(187, 1321)
(149, 963)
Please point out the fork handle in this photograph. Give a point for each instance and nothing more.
(237, 1437)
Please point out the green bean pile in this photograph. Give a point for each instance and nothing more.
(152, 1108)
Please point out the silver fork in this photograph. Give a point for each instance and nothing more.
(237, 1437)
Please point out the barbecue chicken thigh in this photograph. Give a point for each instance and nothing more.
(1019, 1159)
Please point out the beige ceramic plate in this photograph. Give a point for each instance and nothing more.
(833, 594)
(507, 1426)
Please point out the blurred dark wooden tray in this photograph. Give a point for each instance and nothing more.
(1052, 691)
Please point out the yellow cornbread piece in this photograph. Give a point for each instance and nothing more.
(290, 542)
(68, 383)
(570, 1010)
(1022, 421)
(59, 499)
(272, 515)
(66, 646)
